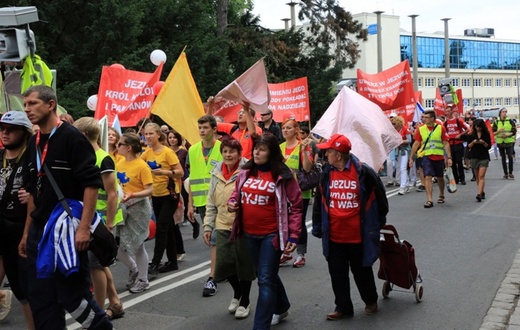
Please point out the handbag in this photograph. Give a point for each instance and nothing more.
(171, 188)
(311, 179)
(102, 243)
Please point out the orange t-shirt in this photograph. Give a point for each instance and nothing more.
(345, 206)
(241, 135)
(258, 204)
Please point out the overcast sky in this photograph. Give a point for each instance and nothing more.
(502, 15)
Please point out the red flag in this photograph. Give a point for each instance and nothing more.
(126, 93)
(389, 89)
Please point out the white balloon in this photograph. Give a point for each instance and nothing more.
(92, 102)
(157, 57)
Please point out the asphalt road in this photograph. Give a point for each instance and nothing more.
(463, 250)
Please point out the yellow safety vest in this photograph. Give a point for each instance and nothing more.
(506, 124)
(435, 146)
(102, 201)
(200, 171)
(293, 162)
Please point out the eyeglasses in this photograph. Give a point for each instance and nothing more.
(9, 129)
(264, 114)
(121, 144)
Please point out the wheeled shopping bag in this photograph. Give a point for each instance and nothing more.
(397, 264)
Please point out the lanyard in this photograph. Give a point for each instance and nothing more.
(39, 163)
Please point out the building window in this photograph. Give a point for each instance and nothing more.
(516, 82)
(507, 101)
(477, 102)
(498, 101)
(477, 82)
(429, 103)
(507, 82)
(419, 82)
(488, 101)
(515, 101)
(488, 82)
(498, 82)
(466, 82)
(455, 82)
(429, 82)
(467, 102)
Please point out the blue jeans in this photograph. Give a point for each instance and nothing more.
(272, 298)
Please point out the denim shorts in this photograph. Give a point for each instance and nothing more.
(433, 167)
(478, 163)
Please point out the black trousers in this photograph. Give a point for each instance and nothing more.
(507, 152)
(457, 155)
(341, 258)
(49, 298)
(164, 207)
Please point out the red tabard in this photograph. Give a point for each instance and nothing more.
(258, 204)
(345, 206)
(452, 128)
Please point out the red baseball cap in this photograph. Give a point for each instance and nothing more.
(337, 142)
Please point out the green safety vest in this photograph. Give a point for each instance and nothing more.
(506, 124)
(35, 72)
(435, 145)
(102, 203)
(200, 171)
(293, 162)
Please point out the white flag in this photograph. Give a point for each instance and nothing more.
(364, 123)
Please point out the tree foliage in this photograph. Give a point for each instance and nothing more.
(78, 37)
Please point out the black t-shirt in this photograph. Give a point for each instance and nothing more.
(478, 151)
(12, 212)
(72, 162)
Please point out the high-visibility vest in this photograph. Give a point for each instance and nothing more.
(506, 124)
(102, 201)
(293, 162)
(35, 72)
(200, 171)
(435, 146)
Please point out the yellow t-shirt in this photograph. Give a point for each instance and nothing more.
(165, 159)
(116, 157)
(134, 175)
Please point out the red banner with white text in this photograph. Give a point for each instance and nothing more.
(288, 99)
(389, 89)
(126, 93)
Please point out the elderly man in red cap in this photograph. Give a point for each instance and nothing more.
(349, 209)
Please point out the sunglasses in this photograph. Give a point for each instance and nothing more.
(121, 144)
(264, 114)
(9, 129)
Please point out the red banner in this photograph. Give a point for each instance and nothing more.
(290, 98)
(390, 89)
(439, 105)
(127, 93)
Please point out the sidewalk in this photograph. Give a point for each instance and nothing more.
(504, 312)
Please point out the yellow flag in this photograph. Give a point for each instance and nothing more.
(179, 103)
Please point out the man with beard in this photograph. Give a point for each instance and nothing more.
(65, 152)
(15, 131)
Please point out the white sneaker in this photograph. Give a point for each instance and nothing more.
(5, 305)
(278, 317)
(181, 257)
(403, 191)
(242, 312)
(140, 286)
(233, 305)
(132, 278)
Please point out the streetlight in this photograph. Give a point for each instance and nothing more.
(446, 47)
(517, 88)
(414, 52)
(473, 89)
(379, 42)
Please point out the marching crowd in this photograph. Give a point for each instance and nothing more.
(242, 179)
(450, 142)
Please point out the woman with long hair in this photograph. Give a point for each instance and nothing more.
(135, 178)
(233, 262)
(298, 157)
(165, 166)
(113, 139)
(175, 142)
(479, 143)
(268, 203)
